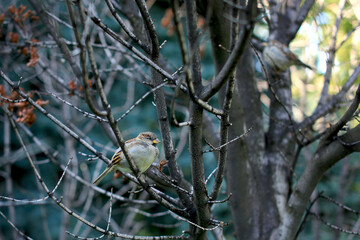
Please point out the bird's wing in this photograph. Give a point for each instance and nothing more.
(118, 155)
(116, 158)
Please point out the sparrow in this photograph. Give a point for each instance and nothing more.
(142, 150)
(280, 57)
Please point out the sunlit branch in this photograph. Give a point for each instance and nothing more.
(331, 55)
(343, 120)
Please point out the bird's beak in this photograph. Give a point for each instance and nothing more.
(156, 141)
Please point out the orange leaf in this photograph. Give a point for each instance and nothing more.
(34, 18)
(11, 9)
(26, 15)
(201, 22)
(14, 37)
(2, 18)
(72, 85)
(166, 20)
(42, 102)
(117, 175)
(34, 57)
(21, 9)
(18, 20)
(27, 116)
(162, 164)
(14, 95)
(33, 52)
(24, 51)
(20, 105)
(32, 62)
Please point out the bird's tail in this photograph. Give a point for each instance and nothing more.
(102, 175)
(305, 65)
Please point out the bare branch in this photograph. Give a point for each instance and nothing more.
(126, 29)
(225, 120)
(331, 58)
(142, 98)
(332, 226)
(118, 38)
(231, 141)
(234, 57)
(52, 118)
(348, 115)
(86, 114)
(14, 227)
(64, 207)
(325, 109)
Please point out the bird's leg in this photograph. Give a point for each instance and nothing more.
(162, 164)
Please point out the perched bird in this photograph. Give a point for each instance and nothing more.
(142, 150)
(279, 56)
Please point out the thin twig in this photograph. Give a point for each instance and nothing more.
(231, 141)
(332, 102)
(52, 118)
(81, 180)
(14, 227)
(196, 225)
(85, 77)
(333, 130)
(332, 226)
(221, 201)
(86, 114)
(348, 35)
(331, 55)
(210, 175)
(142, 98)
(225, 119)
(349, 209)
(110, 211)
(68, 210)
(5, 99)
(125, 28)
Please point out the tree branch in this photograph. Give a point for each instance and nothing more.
(331, 104)
(161, 108)
(331, 58)
(196, 113)
(85, 76)
(325, 157)
(52, 118)
(329, 136)
(126, 29)
(234, 58)
(225, 120)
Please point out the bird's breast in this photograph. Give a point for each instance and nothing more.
(142, 154)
